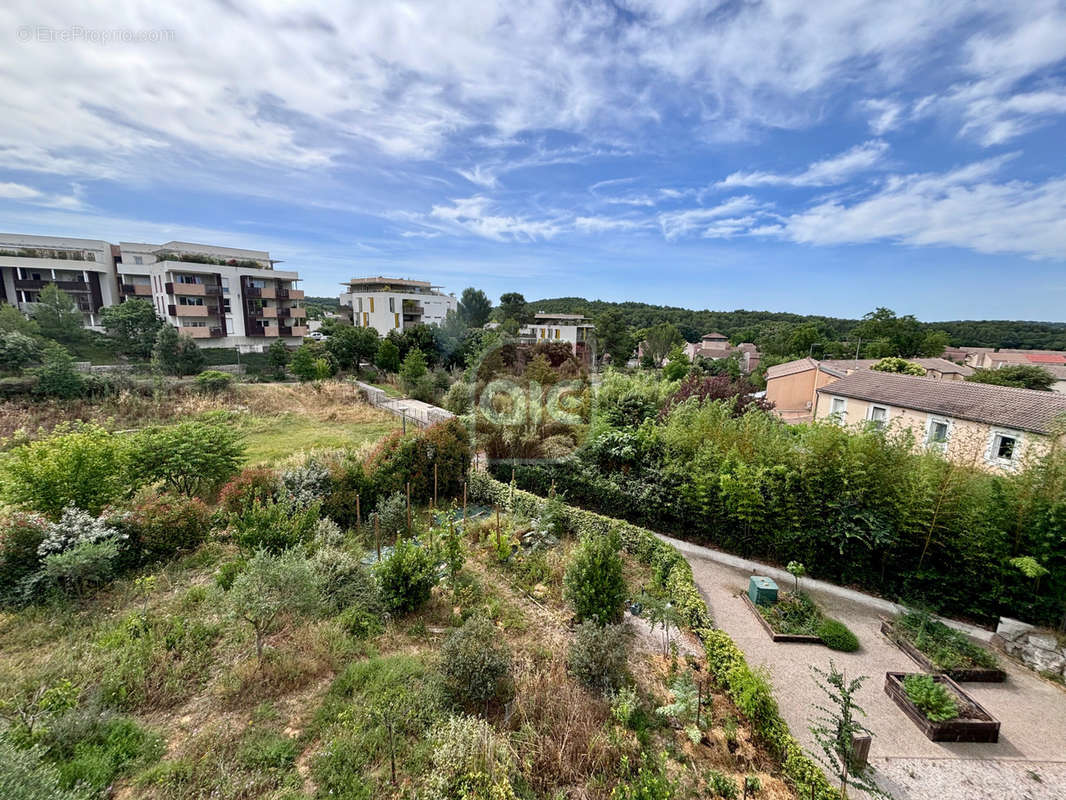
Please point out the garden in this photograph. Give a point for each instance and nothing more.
(357, 622)
(938, 648)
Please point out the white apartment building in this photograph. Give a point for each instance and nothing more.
(575, 330)
(387, 304)
(83, 268)
(221, 296)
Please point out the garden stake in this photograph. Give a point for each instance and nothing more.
(434, 484)
(358, 516)
(464, 505)
(409, 506)
(699, 704)
(497, 531)
(377, 537)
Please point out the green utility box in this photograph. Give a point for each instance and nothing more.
(762, 591)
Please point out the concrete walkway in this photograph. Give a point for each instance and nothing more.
(1032, 711)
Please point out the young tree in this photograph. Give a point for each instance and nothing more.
(133, 325)
(191, 457)
(57, 376)
(614, 337)
(388, 356)
(474, 307)
(835, 731)
(678, 365)
(513, 307)
(366, 345)
(659, 340)
(57, 315)
(13, 320)
(175, 353)
(309, 362)
(270, 585)
(278, 357)
(1020, 376)
(415, 377)
(342, 344)
(594, 584)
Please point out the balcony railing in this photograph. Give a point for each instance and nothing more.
(188, 289)
(57, 255)
(66, 286)
(138, 289)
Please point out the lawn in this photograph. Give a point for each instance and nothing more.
(274, 439)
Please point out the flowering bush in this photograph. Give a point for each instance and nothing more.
(250, 486)
(20, 536)
(161, 524)
(76, 527)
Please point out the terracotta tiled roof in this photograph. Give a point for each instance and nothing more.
(1022, 409)
(840, 366)
(790, 368)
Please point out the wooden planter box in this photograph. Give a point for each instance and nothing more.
(979, 726)
(795, 638)
(922, 660)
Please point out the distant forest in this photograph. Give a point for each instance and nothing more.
(742, 325)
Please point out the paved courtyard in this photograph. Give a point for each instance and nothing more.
(1028, 762)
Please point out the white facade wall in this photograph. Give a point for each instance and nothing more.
(384, 311)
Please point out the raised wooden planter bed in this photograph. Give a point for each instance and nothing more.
(795, 638)
(977, 725)
(977, 674)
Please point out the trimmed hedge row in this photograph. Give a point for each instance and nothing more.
(746, 687)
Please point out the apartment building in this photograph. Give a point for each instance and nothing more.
(992, 427)
(220, 296)
(387, 304)
(575, 330)
(226, 296)
(83, 268)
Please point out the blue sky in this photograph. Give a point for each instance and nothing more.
(801, 156)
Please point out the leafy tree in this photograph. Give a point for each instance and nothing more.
(57, 376)
(133, 325)
(57, 315)
(350, 346)
(80, 465)
(1021, 376)
(835, 731)
(366, 345)
(594, 584)
(475, 307)
(270, 585)
(660, 340)
(14, 321)
(889, 335)
(175, 353)
(449, 338)
(191, 457)
(899, 365)
(278, 357)
(406, 577)
(17, 350)
(388, 356)
(678, 365)
(414, 376)
(513, 307)
(475, 664)
(309, 362)
(614, 337)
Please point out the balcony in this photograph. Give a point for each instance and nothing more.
(268, 312)
(66, 286)
(137, 289)
(188, 289)
(55, 255)
(293, 294)
(299, 330)
(189, 311)
(266, 294)
(412, 308)
(195, 331)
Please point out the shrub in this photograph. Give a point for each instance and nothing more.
(269, 585)
(79, 465)
(25, 774)
(20, 536)
(594, 582)
(17, 350)
(597, 656)
(837, 636)
(459, 399)
(251, 485)
(100, 748)
(348, 480)
(74, 527)
(307, 484)
(213, 381)
(265, 749)
(57, 375)
(228, 571)
(391, 514)
(930, 697)
(274, 526)
(470, 760)
(406, 577)
(475, 665)
(344, 582)
(190, 457)
(160, 525)
(84, 565)
(722, 785)
(650, 783)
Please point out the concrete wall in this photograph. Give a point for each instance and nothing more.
(796, 392)
(383, 319)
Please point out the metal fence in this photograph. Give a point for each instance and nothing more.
(421, 414)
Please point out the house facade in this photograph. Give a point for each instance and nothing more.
(1054, 361)
(792, 386)
(991, 427)
(220, 296)
(387, 304)
(716, 345)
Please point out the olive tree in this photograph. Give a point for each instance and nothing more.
(270, 585)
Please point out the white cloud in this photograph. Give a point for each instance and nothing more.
(963, 208)
(480, 176)
(607, 224)
(827, 172)
(18, 191)
(681, 223)
(472, 214)
(884, 115)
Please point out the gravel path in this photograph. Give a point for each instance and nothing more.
(1032, 711)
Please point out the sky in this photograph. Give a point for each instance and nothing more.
(815, 157)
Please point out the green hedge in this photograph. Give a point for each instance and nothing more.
(747, 688)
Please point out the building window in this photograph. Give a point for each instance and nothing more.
(557, 332)
(1004, 447)
(360, 305)
(937, 433)
(838, 408)
(366, 319)
(397, 318)
(392, 305)
(878, 416)
(138, 260)
(371, 305)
